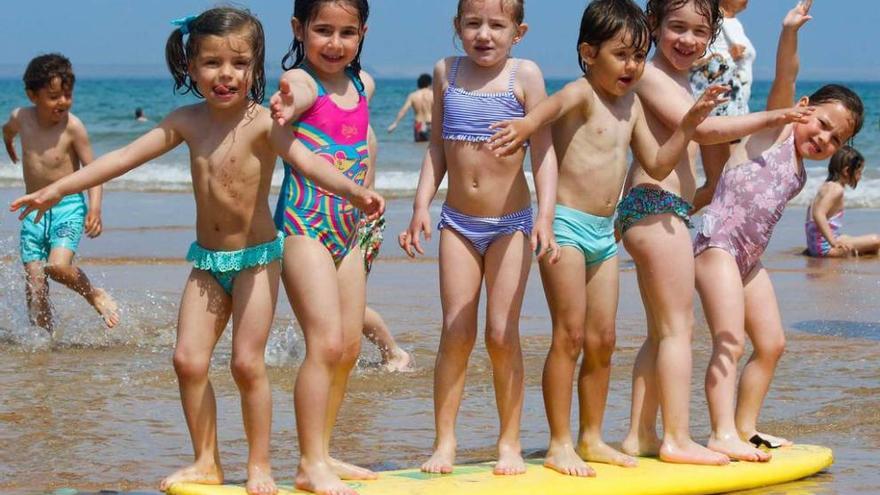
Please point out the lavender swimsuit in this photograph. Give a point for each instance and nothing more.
(748, 202)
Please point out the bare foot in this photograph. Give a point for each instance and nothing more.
(563, 459)
(733, 447)
(106, 307)
(642, 445)
(774, 441)
(399, 361)
(319, 478)
(690, 452)
(441, 460)
(602, 452)
(510, 462)
(348, 471)
(204, 475)
(260, 481)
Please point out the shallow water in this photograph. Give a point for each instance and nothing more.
(98, 409)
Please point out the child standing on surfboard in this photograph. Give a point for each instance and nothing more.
(653, 218)
(764, 172)
(487, 226)
(233, 145)
(595, 118)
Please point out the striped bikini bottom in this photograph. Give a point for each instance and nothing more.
(481, 232)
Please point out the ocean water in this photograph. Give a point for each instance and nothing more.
(107, 106)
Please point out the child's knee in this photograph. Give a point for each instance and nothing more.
(501, 340)
(247, 370)
(459, 334)
(189, 367)
(569, 338)
(600, 343)
(328, 351)
(771, 349)
(56, 271)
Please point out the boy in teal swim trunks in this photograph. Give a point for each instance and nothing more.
(595, 119)
(54, 143)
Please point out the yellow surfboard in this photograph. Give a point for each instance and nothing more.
(651, 477)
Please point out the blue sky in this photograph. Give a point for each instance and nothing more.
(127, 37)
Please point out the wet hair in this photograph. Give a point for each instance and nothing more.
(424, 81)
(221, 21)
(305, 11)
(657, 10)
(138, 112)
(42, 70)
(517, 9)
(848, 160)
(835, 93)
(604, 19)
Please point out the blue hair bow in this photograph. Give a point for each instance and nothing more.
(183, 23)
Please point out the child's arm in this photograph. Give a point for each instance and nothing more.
(405, 108)
(296, 93)
(660, 161)
(431, 175)
(285, 144)
(829, 194)
(782, 92)
(511, 134)
(10, 130)
(83, 149)
(544, 167)
(659, 93)
(154, 143)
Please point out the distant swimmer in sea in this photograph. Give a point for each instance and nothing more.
(825, 214)
(139, 115)
(421, 101)
(54, 144)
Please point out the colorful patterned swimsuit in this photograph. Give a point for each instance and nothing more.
(817, 244)
(748, 202)
(338, 135)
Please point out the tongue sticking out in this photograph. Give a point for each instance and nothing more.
(222, 90)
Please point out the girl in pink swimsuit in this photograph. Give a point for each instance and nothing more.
(765, 171)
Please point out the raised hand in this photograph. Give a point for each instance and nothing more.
(798, 16)
(793, 115)
(713, 96)
(282, 104)
(40, 201)
(509, 136)
(409, 239)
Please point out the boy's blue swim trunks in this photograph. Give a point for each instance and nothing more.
(61, 227)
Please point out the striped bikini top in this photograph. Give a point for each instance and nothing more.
(339, 135)
(467, 115)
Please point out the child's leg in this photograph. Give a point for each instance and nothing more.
(253, 307)
(662, 250)
(204, 311)
(506, 265)
(566, 295)
(461, 276)
(36, 291)
(764, 327)
(864, 244)
(602, 291)
(721, 292)
(60, 269)
(352, 300)
(376, 331)
(309, 277)
(642, 439)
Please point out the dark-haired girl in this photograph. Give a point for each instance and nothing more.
(233, 145)
(825, 214)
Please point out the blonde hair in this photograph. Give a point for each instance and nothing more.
(517, 8)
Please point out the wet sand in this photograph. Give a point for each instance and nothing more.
(99, 409)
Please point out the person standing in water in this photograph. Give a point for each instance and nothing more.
(421, 101)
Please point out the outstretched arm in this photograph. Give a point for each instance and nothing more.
(405, 108)
(511, 134)
(660, 161)
(83, 148)
(782, 92)
(154, 143)
(10, 130)
(296, 93)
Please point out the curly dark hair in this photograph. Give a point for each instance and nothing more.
(43, 69)
(657, 10)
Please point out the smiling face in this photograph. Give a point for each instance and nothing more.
(616, 65)
(683, 35)
(222, 70)
(827, 129)
(488, 31)
(52, 101)
(331, 38)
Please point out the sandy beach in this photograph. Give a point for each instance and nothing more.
(99, 409)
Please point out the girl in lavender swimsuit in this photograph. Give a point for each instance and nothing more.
(765, 171)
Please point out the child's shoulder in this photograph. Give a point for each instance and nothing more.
(299, 75)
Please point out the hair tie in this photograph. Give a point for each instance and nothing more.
(183, 23)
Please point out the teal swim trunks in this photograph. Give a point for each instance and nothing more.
(591, 234)
(61, 227)
(224, 266)
(642, 202)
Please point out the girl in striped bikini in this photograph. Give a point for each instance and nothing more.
(325, 94)
(486, 222)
